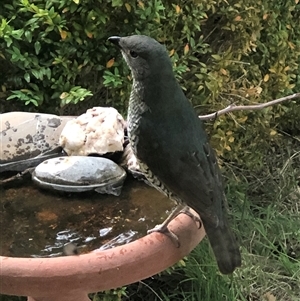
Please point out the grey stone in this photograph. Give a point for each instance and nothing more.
(29, 138)
(79, 173)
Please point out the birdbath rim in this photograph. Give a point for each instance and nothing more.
(69, 278)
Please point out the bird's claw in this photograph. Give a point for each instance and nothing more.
(195, 218)
(167, 232)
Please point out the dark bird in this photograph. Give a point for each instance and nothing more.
(172, 147)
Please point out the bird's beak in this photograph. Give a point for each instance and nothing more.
(115, 40)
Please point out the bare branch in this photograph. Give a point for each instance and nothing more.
(233, 107)
(18, 176)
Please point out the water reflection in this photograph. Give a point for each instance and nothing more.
(121, 239)
(38, 223)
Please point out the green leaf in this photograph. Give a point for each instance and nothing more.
(37, 47)
(77, 26)
(36, 74)
(12, 96)
(8, 6)
(33, 101)
(216, 57)
(28, 35)
(116, 3)
(27, 77)
(8, 41)
(16, 51)
(48, 73)
(17, 34)
(31, 21)
(34, 87)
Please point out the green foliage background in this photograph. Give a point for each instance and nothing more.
(54, 54)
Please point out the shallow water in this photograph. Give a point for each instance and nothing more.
(37, 223)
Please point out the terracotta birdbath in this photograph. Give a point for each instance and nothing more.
(71, 278)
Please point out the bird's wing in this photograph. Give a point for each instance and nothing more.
(178, 153)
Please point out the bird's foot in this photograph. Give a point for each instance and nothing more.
(165, 230)
(186, 210)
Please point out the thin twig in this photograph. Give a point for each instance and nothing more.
(289, 135)
(233, 107)
(18, 176)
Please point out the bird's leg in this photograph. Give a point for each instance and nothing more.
(186, 210)
(163, 228)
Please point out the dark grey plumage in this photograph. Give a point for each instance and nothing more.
(171, 145)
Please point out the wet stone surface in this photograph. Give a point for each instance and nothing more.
(38, 223)
(80, 173)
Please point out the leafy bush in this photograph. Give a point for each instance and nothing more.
(55, 53)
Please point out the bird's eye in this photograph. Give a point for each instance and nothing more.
(133, 54)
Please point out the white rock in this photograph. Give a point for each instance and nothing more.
(98, 131)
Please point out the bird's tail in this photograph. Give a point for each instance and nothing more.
(225, 247)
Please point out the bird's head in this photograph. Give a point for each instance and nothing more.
(144, 55)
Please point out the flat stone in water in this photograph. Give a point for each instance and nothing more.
(79, 173)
